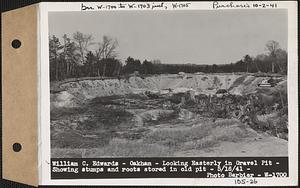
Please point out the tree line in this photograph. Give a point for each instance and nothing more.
(72, 57)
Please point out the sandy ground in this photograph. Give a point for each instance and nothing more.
(74, 94)
(259, 145)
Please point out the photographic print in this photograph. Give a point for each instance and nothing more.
(151, 93)
(188, 83)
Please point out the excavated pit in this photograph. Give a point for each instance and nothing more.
(166, 115)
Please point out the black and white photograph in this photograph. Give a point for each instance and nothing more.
(170, 93)
(187, 83)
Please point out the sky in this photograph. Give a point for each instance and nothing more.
(185, 36)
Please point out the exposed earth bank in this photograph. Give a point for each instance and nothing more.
(236, 84)
(94, 120)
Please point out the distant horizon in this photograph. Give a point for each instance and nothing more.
(179, 37)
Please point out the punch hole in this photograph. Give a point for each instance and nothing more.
(16, 43)
(17, 147)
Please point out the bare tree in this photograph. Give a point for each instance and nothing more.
(281, 57)
(107, 49)
(248, 61)
(272, 46)
(82, 42)
(69, 54)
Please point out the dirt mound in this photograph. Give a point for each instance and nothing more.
(63, 99)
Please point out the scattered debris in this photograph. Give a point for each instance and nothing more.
(265, 83)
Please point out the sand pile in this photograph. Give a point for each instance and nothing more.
(63, 99)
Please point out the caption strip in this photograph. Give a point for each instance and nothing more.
(201, 167)
(173, 5)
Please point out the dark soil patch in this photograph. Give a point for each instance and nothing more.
(62, 113)
(237, 82)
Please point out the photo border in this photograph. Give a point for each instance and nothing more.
(44, 105)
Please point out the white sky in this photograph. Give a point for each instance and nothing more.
(200, 37)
